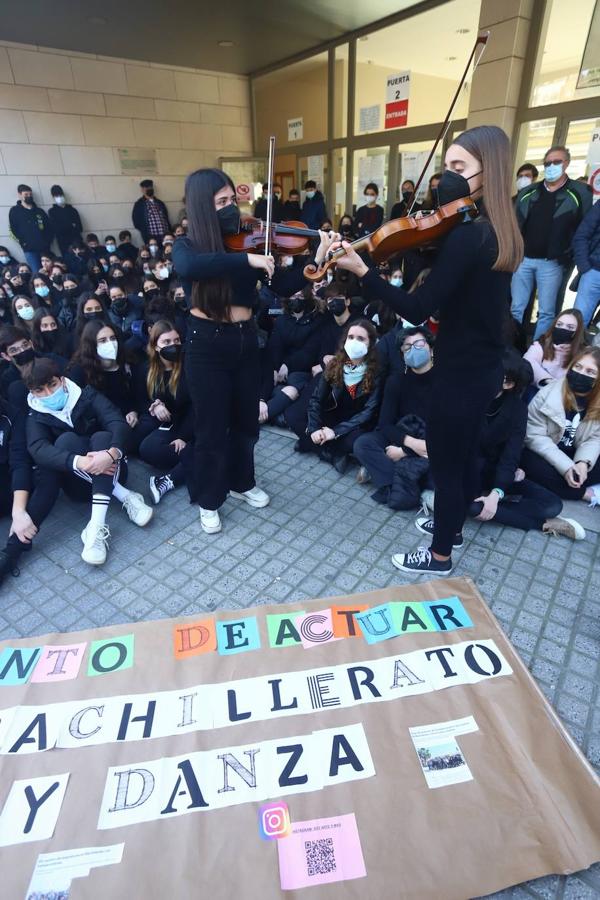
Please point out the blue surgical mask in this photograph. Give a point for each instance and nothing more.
(111, 248)
(55, 401)
(417, 357)
(310, 195)
(43, 290)
(553, 172)
(4, 260)
(397, 282)
(26, 312)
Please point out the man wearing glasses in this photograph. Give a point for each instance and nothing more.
(549, 213)
(16, 348)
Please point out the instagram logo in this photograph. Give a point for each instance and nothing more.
(274, 821)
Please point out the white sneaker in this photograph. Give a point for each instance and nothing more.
(254, 497)
(210, 520)
(595, 489)
(138, 511)
(95, 539)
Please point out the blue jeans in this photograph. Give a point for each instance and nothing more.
(547, 276)
(588, 294)
(33, 259)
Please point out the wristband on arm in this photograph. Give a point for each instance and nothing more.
(498, 491)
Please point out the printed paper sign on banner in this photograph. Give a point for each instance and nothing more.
(295, 129)
(397, 90)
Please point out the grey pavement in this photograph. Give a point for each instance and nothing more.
(323, 535)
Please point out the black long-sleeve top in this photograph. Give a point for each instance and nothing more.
(404, 395)
(117, 386)
(501, 442)
(296, 342)
(191, 266)
(180, 405)
(471, 298)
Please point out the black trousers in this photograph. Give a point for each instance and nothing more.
(296, 415)
(223, 376)
(458, 406)
(46, 486)
(370, 452)
(156, 450)
(537, 469)
(527, 505)
(82, 488)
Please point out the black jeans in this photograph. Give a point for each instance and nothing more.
(531, 507)
(458, 406)
(370, 452)
(156, 450)
(78, 487)
(223, 376)
(46, 486)
(542, 472)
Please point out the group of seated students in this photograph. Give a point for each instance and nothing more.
(92, 374)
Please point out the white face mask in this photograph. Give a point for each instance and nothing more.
(356, 349)
(371, 201)
(163, 273)
(523, 181)
(111, 248)
(108, 350)
(153, 249)
(60, 201)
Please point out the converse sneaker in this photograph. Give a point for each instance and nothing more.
(425, 526)
(8, 565)
(567, 527)
(159, 486)
(254, 497)
(421, 562)
(138, 511)
(210, 521)
(427, 501)
(95, 538)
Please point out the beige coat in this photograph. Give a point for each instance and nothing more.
(546, 423)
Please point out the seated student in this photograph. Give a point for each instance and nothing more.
(26, 495)
(346, 228)
(100, 361)
(47, 261)
(346, 399)
(110, 249)
(81, 435)
(504, 495)
(394, 455)
(161, 272)
(49, 336)
(168, 420)
(553, 352)
(6, 259)
(23, 310)
(124, 310)
(45, 292)
(126, 248)
(93, 245)
(5, 308)
(153, 247)
(96, 277)
(292, 352)
(67, 312)
(16, 348)
(562, 442)
(89, 308)
(77, 258)
(131, 281)
(143, 261)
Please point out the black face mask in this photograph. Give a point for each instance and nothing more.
(297, 304)
(434, 196)
(24, 357)
(229, 219)
(25, 277)
(151, 292)
(71, 292)
(171, 353)
(49, 338)
(346, 229)
(117, 278)
(453, 186)
(337, 306)
(580, 383)
(149, 192)
(406, 196)
(120, 306)
(90, 316)
(562, 336)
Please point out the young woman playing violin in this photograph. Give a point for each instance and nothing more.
(469, 285)
(221, 356)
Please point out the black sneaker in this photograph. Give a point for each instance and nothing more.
(425, 526)
(341, 463)
(421, 561)
(159, 486)
(7, 566)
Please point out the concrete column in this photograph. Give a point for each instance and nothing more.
(497, 80)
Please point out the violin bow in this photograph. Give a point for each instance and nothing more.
(481, 41)
(270, 177)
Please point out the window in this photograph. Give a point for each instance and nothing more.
(338, 205)
(433, 47)
(535, 138)
(564, 36)
(297, 92)
(370, 165)
(578, 142)
(411, 159)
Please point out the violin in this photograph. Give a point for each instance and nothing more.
(254, 236)
(399, 235)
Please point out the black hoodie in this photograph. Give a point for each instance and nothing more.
(31, 227)
(66, 224)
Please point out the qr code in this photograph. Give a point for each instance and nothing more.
(320, 857)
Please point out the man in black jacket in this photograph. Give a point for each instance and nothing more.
(548, 213)
(31, 227)
(16, 349)
(65, 220)
(81, 435)
(149, 214)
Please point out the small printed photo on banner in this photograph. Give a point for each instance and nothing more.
(443, 764)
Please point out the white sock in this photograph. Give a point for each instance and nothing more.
(99, 509)
(120, 493)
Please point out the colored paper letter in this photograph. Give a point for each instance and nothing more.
(111, 655)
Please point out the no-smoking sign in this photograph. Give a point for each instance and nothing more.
(243, 192)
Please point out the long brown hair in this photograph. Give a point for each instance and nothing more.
(211, 295)
(578, 342)
(592, 409)
(334, 373)
(155, 380)
(491, 147)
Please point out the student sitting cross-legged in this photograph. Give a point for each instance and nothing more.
(81, 434)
